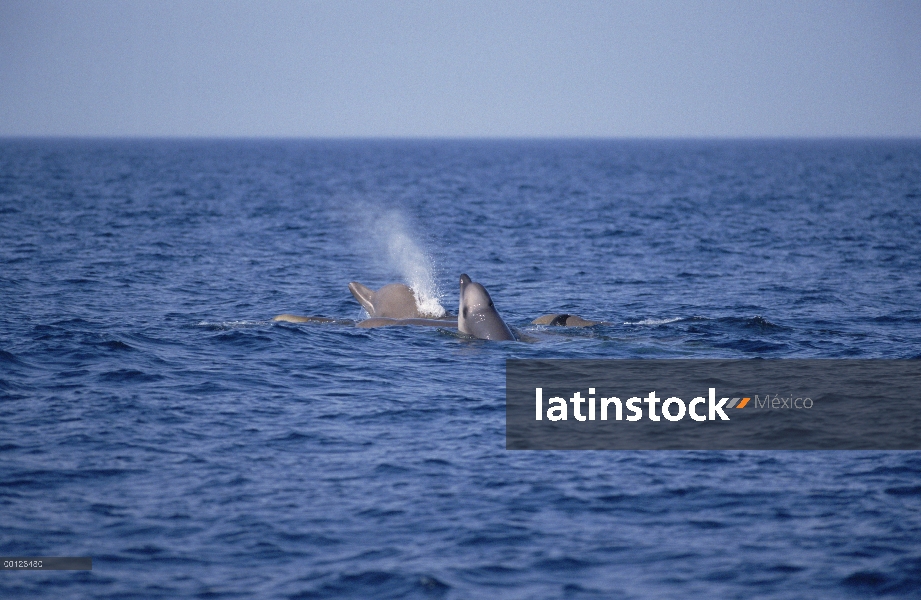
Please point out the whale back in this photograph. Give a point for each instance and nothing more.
(477, 316)
(393, 301)
(565, 320)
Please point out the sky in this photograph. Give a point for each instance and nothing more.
(468, 68)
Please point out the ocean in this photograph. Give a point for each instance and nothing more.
(155, 418)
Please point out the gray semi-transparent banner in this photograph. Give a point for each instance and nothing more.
(785, 404)
(46, 563)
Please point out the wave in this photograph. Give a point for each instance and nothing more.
(225, 325)
(655, 321)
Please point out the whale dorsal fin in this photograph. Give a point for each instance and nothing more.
(363, 294)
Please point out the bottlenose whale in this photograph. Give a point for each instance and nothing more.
(395, 305)
(389, 322)
(393, 301)
(476, 314)
(565, 320)
(299, 319)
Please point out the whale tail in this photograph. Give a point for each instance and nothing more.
(363, 295)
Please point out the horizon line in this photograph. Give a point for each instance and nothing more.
(446, 138)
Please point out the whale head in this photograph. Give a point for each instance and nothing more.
(476, 314)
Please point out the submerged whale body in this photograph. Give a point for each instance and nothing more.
(477, 316)
(390, 322)
(299, 319)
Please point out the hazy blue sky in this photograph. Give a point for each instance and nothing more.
(471, 68)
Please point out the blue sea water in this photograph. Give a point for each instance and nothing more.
(152, 415)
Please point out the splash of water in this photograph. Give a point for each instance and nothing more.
(391, 233)
(417, 270)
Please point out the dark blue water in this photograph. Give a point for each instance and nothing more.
(154, 418)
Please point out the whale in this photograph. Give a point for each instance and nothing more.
(476, 314)
(393, 301)
(476, 317)
(395, 305)
(565, 320)
(288, 318)
(390, 322)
